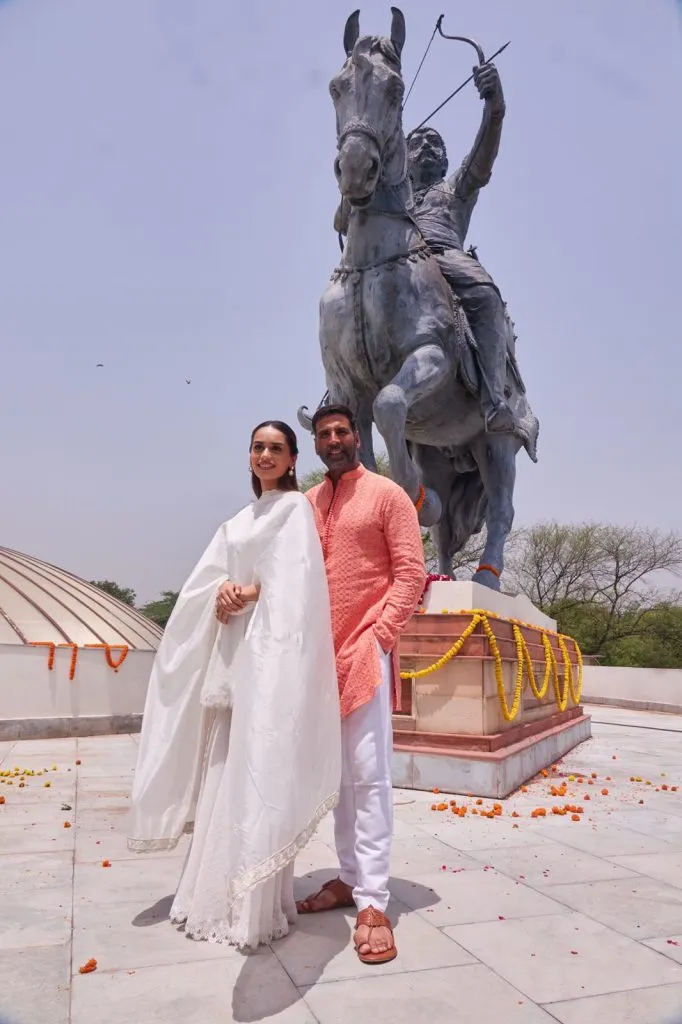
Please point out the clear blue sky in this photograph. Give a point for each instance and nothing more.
(166, 203)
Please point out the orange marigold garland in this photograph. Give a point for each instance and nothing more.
(108, 648)
(123, 648)
(46, 643)
(74, 658)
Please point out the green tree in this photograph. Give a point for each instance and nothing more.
(125, 594)
(603, 584)
(159, 611)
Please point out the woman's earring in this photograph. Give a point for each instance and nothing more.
(291, 470)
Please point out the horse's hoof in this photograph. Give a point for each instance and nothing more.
(487, 579)
(431, 511)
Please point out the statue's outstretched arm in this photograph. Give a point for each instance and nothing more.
(477, 167)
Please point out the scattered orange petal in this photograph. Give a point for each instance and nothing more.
(88, 968)
(442, 807)
(604, 792)
(515, 814)
(673, 789)
(106, 863)
(433, 807)
(575, 817)
(479, 802)
(67, 824)
(594, 775)
(2, 800)
(435, 789)
(79, 761)
(524, 789)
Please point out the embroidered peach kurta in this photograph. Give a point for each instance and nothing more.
(374, 558)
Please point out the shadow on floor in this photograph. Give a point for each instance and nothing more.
(317, 938)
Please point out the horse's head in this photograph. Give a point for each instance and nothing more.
(368, 94)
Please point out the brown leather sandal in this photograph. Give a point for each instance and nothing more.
(342, 893)
(373, 918)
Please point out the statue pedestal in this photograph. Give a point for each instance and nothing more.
(452, 733)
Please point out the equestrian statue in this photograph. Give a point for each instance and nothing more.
(414, 334)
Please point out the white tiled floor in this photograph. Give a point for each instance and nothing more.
(553, 920)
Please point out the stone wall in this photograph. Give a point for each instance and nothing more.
(648, 689)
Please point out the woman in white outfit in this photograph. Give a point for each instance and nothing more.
(240, 738)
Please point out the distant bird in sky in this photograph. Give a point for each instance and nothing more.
(99, 364)
(187, 381)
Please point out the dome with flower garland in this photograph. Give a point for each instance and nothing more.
(40, 603)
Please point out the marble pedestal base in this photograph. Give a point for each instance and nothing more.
(451, 733)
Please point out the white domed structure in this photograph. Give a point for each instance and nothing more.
(40, 603)
(73, 659)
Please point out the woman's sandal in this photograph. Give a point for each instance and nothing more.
(373, 918)
(342, 893)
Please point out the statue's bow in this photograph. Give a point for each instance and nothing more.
(464, 39)
(481, 62)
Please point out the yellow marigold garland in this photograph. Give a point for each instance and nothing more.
(509, 716)
(522, 653)
(523, 660)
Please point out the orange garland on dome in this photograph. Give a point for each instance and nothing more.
(74, 659)
(108, 648)
(46, 643)
(115, 664)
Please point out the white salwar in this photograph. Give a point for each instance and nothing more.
(241, 737)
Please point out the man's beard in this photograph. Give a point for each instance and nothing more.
(426, 172)
(343, 458)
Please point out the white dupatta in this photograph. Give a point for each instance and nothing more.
(275, 667)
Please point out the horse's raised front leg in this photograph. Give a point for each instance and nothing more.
(496, 460)
(436, 474)
(420, 375)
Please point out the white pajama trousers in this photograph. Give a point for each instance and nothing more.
(363, 819)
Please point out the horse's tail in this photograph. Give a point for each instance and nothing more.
(466, 510)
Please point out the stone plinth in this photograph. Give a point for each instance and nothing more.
(451, 732)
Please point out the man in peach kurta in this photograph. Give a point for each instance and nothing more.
(375, 569)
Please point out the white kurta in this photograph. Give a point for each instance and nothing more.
(242, 723)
